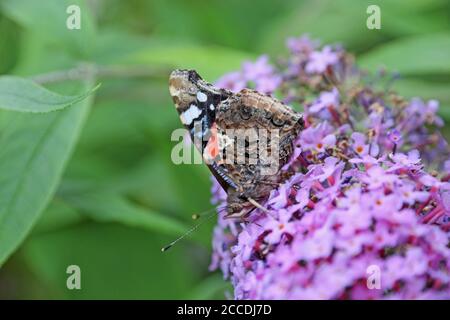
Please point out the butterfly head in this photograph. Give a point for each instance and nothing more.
(183, 87)
(194, 98)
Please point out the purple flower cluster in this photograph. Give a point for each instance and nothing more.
(259, 75)
(368, 195)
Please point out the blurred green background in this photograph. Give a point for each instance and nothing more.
(112, 197)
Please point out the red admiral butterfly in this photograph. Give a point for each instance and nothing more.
(239, 160)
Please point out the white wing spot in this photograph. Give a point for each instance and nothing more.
(211, 107)
(201, 96)
(190, 114)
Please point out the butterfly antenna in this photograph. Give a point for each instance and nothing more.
(207, 214)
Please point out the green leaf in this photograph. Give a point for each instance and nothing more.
(17, 94)
(9, 44)
(426, 54)
(110, 207)
(411, 87)
(422, 23)
(47, 18)
(33, 152)
(58, 215)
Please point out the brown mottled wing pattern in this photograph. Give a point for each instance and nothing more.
(252, 110)
(219, 111)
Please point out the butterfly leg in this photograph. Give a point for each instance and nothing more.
(239, 205)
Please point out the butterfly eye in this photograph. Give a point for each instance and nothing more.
(246, 113)
(252, 167)
(277, 122)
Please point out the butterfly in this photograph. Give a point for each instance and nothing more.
(245, 138)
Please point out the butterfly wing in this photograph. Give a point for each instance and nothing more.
(249, 112)
(196, 102)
